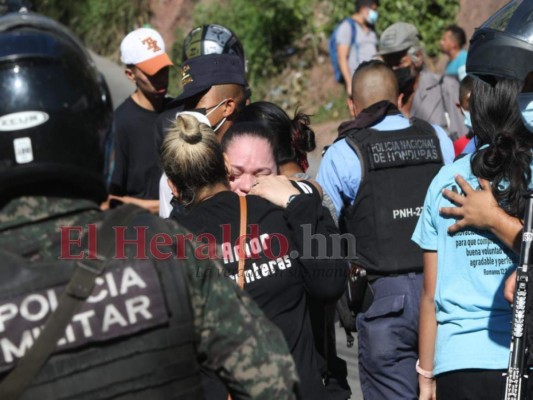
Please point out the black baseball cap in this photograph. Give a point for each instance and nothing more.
(199, 73)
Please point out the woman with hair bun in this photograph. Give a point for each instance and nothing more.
(274, 275)
(464, 331)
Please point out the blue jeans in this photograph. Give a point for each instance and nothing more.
(388, 339)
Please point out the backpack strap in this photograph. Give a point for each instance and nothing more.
(77, 291)
(440, 84)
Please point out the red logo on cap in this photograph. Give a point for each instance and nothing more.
(151, 44)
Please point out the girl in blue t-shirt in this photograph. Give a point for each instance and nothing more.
(464, 331)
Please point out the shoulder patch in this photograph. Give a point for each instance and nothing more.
(125, 300)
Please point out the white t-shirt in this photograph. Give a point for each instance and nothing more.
(165, 196)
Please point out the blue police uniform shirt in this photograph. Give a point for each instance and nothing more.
(340, 170)
(472, 315)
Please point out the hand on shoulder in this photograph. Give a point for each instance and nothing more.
(275, 188)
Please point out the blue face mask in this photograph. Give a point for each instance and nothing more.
(372, 17)
(525, 104)
(468, 121)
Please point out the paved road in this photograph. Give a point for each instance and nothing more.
(350, 356)
(119, 86)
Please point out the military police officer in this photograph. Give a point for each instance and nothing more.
(128, 326)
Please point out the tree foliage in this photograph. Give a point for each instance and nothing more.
(270, 30)
(267, 29)
(100, 24)
(429, 16)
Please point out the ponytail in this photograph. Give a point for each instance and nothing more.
(294, 137)
(506, 160)
(302, 139)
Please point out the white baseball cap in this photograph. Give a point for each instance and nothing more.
(145, 49)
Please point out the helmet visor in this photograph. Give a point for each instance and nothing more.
(515, 19)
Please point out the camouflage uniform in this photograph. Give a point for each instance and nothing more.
(234, 337)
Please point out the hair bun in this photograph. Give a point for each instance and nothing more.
(189, 129)
(304, 136)
(504, 140)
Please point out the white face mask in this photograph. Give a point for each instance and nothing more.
(525, 105)
(468, 120)
(217, 126)
(372, 17)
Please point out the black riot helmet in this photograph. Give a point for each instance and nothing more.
(214, 39)
(54, 112)
(503, 46)
(211, 39)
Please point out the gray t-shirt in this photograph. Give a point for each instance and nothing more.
(364, 48)
(435, 102)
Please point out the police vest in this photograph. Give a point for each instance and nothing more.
(133, 337)
(396, 170)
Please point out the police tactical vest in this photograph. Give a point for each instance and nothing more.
(396, 170)
(133, 338)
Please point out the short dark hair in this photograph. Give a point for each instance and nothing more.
(250, 128)
(372, 64)
(458, 34)
(365, 3)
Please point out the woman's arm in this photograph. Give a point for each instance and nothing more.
(427, 329)
(315, 236)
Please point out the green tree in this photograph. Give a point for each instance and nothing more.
(267, 29)
(429, 16)
(101, 25)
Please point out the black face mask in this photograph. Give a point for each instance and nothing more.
(406, 82)
(202, 111)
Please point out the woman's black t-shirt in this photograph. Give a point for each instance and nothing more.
(274, 276)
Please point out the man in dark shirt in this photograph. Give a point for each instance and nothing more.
(213, 85)
(136, 166)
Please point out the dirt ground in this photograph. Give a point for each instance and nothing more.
(325, 134)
